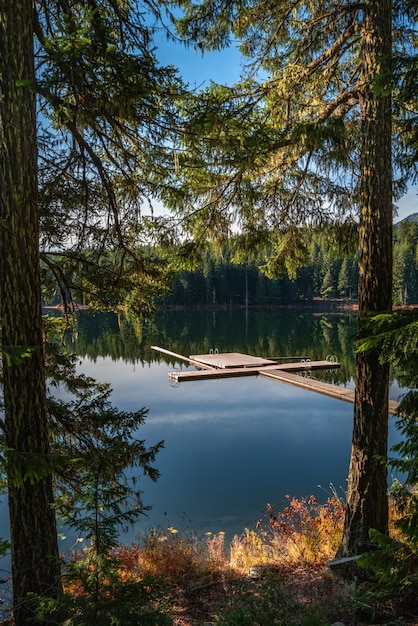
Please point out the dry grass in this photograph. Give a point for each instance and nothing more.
(209, 580)
(186, 560)
(208, 577)
(304, 534)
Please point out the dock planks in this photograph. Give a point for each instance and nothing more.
(327, 389)
(234, 364)
(226, 360)
(235, 372)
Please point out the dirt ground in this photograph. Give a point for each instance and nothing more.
(302, 588)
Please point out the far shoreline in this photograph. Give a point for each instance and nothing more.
(318, 305)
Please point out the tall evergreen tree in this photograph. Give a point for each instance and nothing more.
(367, 506)
(105, 114)
(344, 279)
(35, 563)
(305, 138)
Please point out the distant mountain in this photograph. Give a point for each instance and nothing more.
(410, 218)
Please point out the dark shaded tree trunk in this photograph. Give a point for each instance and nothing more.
(35, 565)
(367, 504)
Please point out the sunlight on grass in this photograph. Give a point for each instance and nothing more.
(305, 533)
(274, 572)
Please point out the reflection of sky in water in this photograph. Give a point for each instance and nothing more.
(231, 445)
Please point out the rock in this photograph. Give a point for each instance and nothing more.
(256, 571)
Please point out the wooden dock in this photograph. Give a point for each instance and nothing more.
(327, 389)
(227, 360)
(234, 364)
(253, 370)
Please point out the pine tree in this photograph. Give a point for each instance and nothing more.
(106, 124)
(35, 560)
(304, 139)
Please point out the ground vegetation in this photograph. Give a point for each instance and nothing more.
(276, 573)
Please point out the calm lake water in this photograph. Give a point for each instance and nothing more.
(233, 445)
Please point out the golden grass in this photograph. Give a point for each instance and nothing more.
(304, 534)
(294, 543)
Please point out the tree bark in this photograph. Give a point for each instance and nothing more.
(33, 535)
(367, 503)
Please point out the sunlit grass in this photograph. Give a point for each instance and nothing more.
(276, 569)
(304, 534)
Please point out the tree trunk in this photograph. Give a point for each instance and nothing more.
(367, 505)
(35, 565)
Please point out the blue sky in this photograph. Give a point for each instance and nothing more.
(408, 204)
(224, 67)
(198, 69)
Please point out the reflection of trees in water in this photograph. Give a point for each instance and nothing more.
(269, 333)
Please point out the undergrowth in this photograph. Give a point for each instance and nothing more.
(304, 534)
(274, 575)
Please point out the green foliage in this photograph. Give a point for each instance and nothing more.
(295, 270)
(4, 549)
(405, 263)
(103, 599)
(395, 336)
(280, 147)
(395, 562)
(291, 254)
(302, 264)
(95, 460)
(96, 487)
(16, 354)
(108, 127)
(107, 280)
(97, 495)
(315, 615)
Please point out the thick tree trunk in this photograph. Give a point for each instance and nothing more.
(367, 505)
(35, 566)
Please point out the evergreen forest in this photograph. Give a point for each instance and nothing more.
(221, 281)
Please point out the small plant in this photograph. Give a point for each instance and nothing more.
(216, 549)
(96, 594)
(314, 615)
(183, 558)
(168, 553)
(249, 550)
(97, 495)
(304, 532)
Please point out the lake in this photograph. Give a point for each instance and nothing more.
(231, 445)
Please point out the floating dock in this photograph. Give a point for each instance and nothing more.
(234, 364)
(327, 389)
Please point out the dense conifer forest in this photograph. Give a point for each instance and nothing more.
(219, 281)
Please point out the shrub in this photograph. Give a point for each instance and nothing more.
(305, 532)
